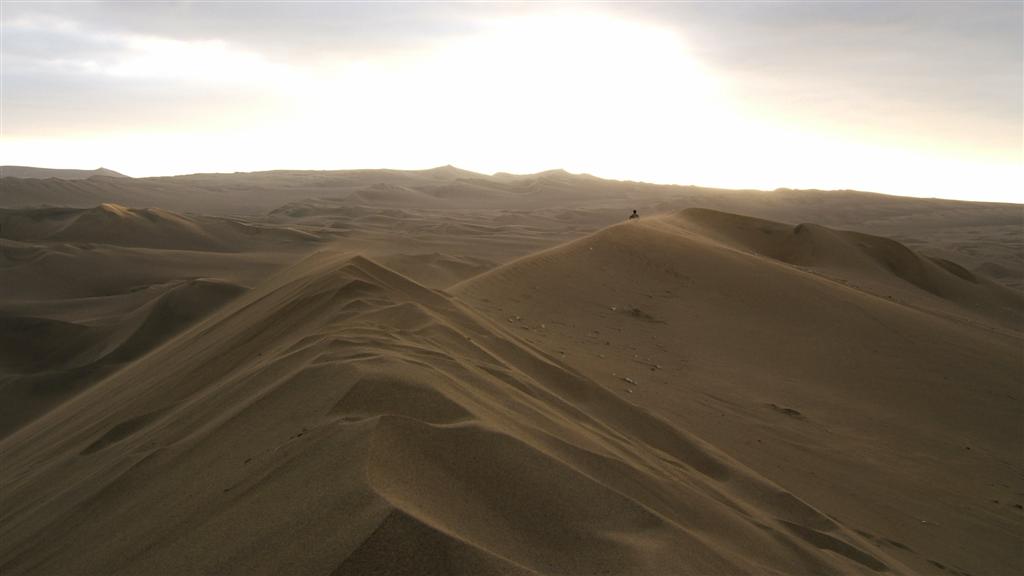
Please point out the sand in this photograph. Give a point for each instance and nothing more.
(542, 209)
(440, 372)
(895, 409)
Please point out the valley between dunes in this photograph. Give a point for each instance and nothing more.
(441, 372)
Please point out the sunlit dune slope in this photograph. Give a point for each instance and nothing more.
(883, 387)
(341, 419)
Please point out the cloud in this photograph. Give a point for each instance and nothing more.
(922, 72)
(63, 77)
(284, 31)
(724, 94)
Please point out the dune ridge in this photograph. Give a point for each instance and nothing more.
(873, 262)
(384, 426)
(893, 408)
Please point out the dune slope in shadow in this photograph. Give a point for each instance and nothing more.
(84, 291)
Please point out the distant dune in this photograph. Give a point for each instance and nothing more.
(978, 236)
(61, 173)
(141, 227)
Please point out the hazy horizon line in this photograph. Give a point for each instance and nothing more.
(523, 174)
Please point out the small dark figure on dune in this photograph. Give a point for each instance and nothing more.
(634, 215)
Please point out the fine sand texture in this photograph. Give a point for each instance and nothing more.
(343, 419)
(442, 372)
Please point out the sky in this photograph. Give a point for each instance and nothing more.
(911, 98)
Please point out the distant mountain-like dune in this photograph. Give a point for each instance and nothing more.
(61, 173)
(983, 237)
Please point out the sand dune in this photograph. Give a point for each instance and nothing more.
(85, 291)
(494, 374)
(344, 419)
(44, 361)
(978, 236)
(436, 270)
(31, 272)
(65, 311)
(870, 262)
(140, 227)
(901, 417)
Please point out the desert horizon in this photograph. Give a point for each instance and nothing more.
(39, 172)
(672, 289)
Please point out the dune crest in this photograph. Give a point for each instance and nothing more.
(364, 423)
(800, 352)
(872, 262)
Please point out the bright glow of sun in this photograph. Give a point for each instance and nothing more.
(585, 92)
(528, 94)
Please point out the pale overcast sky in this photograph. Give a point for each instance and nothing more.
(916, 98)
